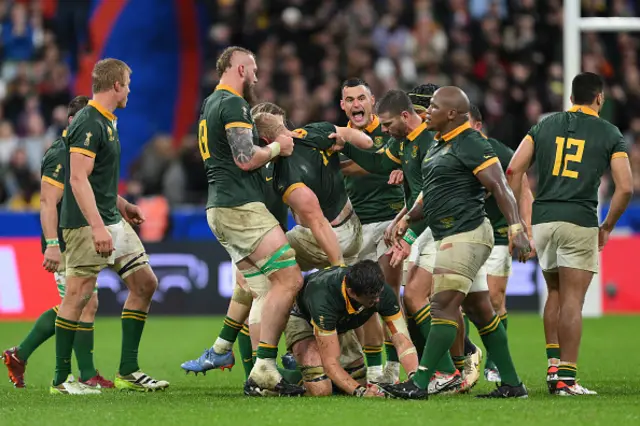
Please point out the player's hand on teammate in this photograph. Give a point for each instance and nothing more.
(52, 258)
(102, 241)
(388, 233)
(133, 214)
(339, 142)
(519, 242)
(286, 145)
(396, 177)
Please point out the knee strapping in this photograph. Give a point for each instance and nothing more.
(312, 374)
(284, 257)
(132, 263)
(455, 282)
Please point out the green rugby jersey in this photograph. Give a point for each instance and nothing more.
(93, 132)
(229, 186)
(373, 199)
(273, 200)
(52, 171)
(498, 221)
(453, 198)
(314, 165)
(572, 150)
(323, 301)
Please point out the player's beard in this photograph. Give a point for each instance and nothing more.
(248, 91)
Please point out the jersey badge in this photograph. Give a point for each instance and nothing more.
(87, 139)
(378, 141)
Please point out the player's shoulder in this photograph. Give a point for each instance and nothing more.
(318, 127)
(499, 146)
(55, 152)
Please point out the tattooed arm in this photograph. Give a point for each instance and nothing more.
(247, 155)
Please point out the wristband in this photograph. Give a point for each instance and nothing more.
(275, 150)
(410, 237)
(515, 228)
(52, 242)
(359, 391)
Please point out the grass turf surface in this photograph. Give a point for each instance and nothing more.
(605, 365)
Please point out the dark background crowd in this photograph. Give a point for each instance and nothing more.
(506, 55)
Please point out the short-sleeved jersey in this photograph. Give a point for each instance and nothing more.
(498, 221)
(52, 171)
(411, 152)
(273, 200)
(314, 165)
(373, 199)
(453, 198)
(572, 150)
(93, 132)
(229, 186)
(323, 301)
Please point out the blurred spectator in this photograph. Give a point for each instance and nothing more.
(153, 163)
(22, 184)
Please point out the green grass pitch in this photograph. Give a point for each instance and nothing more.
(607, 364)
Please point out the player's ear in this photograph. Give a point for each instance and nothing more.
(571, 98)
(342, 104)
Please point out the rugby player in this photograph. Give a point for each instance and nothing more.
(376, 203)
(238, 217)
(498, 265)
(320, 332)
(572, 150)
(329, 232)
(235, 324)
(51, 189)
(408, 156)
(455, 169)
(96, 229)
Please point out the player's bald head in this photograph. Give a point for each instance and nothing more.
(233, 56)
(452, 97)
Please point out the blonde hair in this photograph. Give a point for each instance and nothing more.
(269, 126)
(108, 72)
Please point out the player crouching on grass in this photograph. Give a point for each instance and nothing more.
(321, 334)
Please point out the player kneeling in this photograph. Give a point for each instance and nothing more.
(320, 332)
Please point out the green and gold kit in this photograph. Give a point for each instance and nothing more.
(315, 166)
(572, 150)
(273, 200)
(52, 171)
(373, 199)
(498, 221)
(323, 301)
(229, 186)
(93, 133)
(453, 198)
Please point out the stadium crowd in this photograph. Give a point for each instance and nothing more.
(504, 53)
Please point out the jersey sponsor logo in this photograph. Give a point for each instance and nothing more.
(447, 222)
(414, 151)
(378, 141)
(488, 156)
(269, 179)
(57, 170)
(110, 131)
(300, 133)
(87, 139)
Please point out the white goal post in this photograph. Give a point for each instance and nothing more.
(574, 25)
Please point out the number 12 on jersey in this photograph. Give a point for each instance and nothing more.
(563, 144)
(203, 141)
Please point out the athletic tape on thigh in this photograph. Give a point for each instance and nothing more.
(241, 296)
(444, 282)
(283, 258)
(397, 324)
(135, 263)
(312, 374)
(358, 372)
